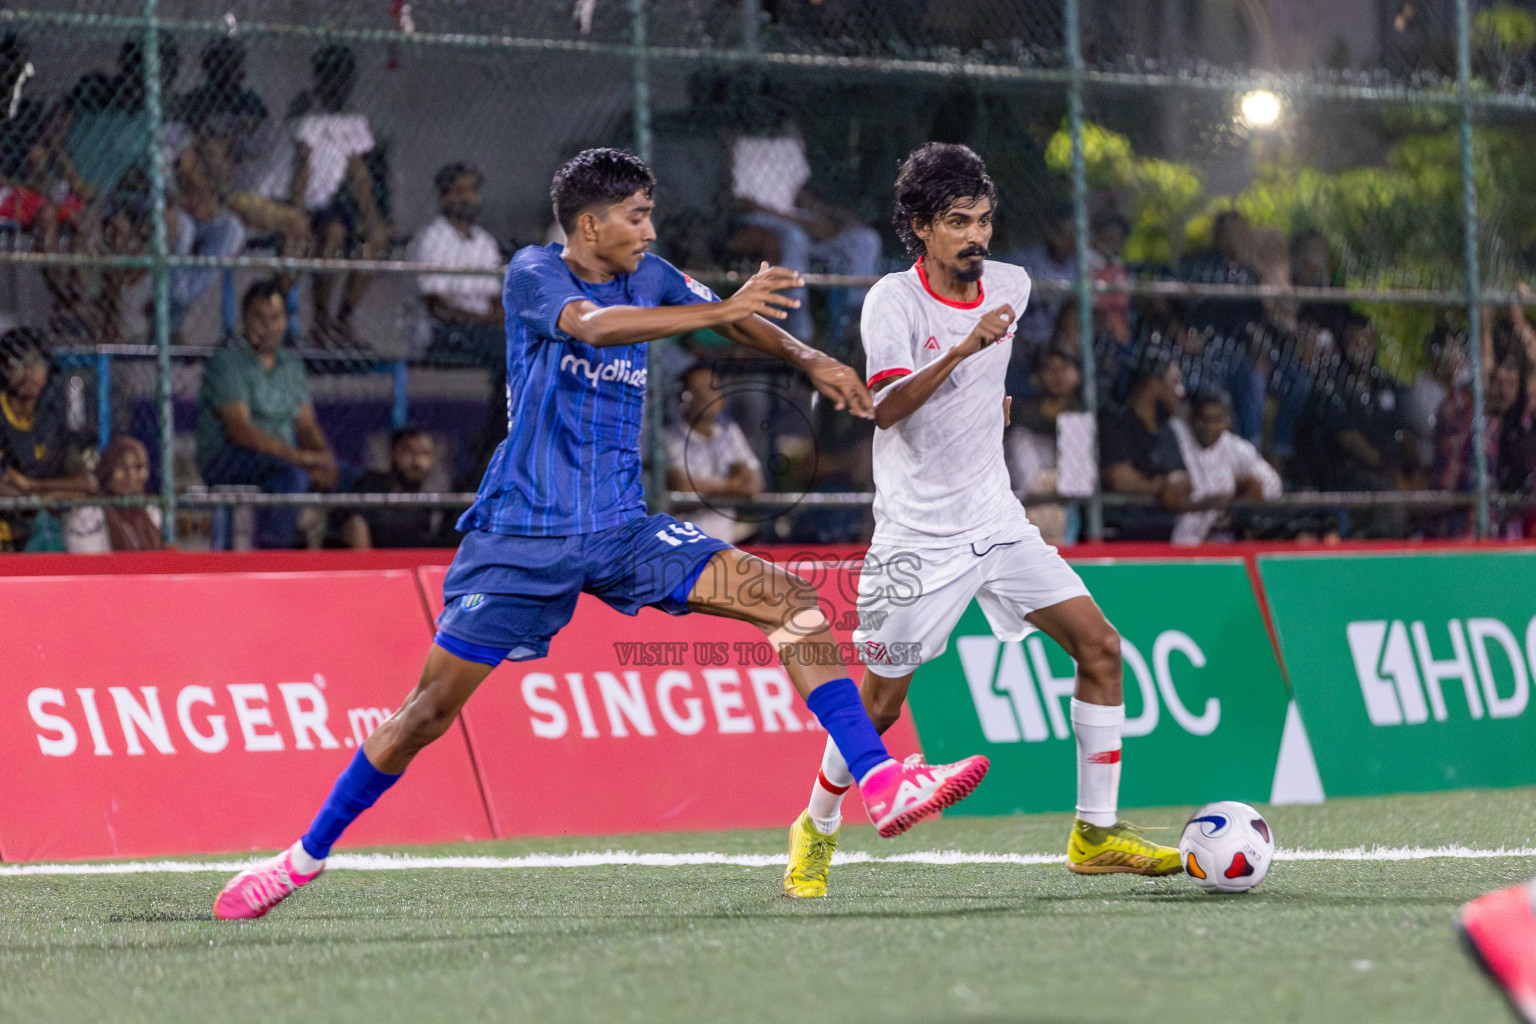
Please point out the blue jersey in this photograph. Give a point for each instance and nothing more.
(575, 413)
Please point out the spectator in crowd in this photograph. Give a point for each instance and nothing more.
(1221, 467)
(1030, 442)
(1445, 372)
(1354, 438)
(468, 322)
(707, 453)
(35, 191)
(122, 471)
(412, 460)
(770, 181)
(36, 459)
(1139, 452)
(1227, 261)
(1312, 267)
(1517, 439)
(1111, 310)
(107, 129)
(223, 135)
(326, 172)
(1052, 260)
(256, 425)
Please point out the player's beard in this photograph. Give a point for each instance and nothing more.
(965, 270)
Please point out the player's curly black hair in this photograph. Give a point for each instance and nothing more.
(931, 179)
(596, 176)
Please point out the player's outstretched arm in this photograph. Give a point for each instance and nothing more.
(606, 326)
(904, 396)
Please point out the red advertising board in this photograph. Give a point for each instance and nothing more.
(650, 723)
(150, 715)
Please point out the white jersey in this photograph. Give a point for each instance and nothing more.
(940, 476)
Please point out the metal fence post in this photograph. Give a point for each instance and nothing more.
(656, 478)
(154, 110)
(1082, 283)
(1474, 278)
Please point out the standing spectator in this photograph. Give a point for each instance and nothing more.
(1312, 267)
(1139, 452)
(256, 424)
(1227, 261)
(412, 459)
(770, 180)
(35, 456)
(707, 453)
(122, 471)
(327, 173)
(1221, 466)
(35, 191)
(468, 321)
(1111, 310)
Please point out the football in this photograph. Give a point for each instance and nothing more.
(1227, 847)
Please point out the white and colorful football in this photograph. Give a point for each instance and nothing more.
(1227, 847)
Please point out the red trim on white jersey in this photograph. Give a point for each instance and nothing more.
(922, 275)
(883, 374)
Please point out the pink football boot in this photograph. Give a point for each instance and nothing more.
(258, 889)
(899, 796)
(1500, 929)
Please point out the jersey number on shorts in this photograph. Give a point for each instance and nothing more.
(679, 534)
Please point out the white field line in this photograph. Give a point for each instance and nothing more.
(613, 858)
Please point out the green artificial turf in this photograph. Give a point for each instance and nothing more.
(1319, 941)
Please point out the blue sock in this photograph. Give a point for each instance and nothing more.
(840, 710)
(355, 791)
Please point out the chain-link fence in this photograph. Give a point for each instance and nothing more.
(250, 254)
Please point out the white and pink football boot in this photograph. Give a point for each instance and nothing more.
(258, 889)
(1500, 930)
(899, 796)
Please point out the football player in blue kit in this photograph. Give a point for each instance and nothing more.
(561, 511)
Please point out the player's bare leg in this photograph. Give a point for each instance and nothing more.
(741, 586)
(1100, 843)
(447, 682)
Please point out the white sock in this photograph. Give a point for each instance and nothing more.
(1098, 760)
(832, 784)
(303, 863)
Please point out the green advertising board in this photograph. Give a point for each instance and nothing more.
(1412, 671)
(1205, 703)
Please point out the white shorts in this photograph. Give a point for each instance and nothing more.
(910, 598)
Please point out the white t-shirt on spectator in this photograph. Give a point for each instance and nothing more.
(712, 458)
(440, 243)
(769, 172)
(85, 529)
(1214, 472)
(333, 140)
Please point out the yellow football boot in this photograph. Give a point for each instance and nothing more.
(810, 859)
(1094, 850)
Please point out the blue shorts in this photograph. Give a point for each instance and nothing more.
(506, 597)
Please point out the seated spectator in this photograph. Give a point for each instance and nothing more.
(770, 180)
(326, 171)
(1221, 467)
(1030, 442)
(122, 471)
(106, 126)
(468, 322)
(412, 459)
(223, 159)
(1053, 259)
(35, 455)
(1354, 438)
(707, 453)
(256, 425)
(1139, 452)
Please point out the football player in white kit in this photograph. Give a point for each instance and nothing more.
(938, 339)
